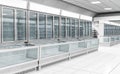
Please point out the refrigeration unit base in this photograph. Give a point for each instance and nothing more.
(109, 44)
(19, 68)
(82, 52)
(77, 53)
(50, 60)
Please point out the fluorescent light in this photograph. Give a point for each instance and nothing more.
(107, 8)
(95, 2)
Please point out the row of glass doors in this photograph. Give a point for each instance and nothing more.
(111, 30)
(41, 25)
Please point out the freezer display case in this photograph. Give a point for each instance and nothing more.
(105, 41)
(111, 35)
(92, 45)
(82, 47)
(53, 52)
(17, 58)
(110, 40)
(114, 40)
(50, 53)
(77, 48)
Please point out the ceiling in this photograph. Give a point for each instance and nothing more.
(98, 8)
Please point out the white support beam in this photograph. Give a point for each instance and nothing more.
(107, 18)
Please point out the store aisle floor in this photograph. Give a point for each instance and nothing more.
(104, 61)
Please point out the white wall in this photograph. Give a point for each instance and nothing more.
(14, 3)
(107, 16)
(99, 27)
(51, 6)
(65, 6)
(52, 10)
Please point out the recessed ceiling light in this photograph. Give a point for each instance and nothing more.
(95, 2)
(107, 8)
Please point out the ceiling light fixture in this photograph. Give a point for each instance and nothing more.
(95, 2)
(107, 8)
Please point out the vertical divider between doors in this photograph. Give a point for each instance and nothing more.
(15, 23)
(46, 26)
(38, 32)
(53, 31)
(0, 24)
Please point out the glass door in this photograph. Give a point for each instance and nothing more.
(81, 28)
(8, 25)
(33, 25)
(56, 26)
(49, 26)
(77, 27)
(68, 27)
(42, 26)
(63, 27)
(21, 24)
(73, 28)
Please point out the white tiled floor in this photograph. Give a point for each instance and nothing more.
(104, 61)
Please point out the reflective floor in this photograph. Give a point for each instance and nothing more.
(104, 61)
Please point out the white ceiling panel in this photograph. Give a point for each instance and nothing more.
(99, 8)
